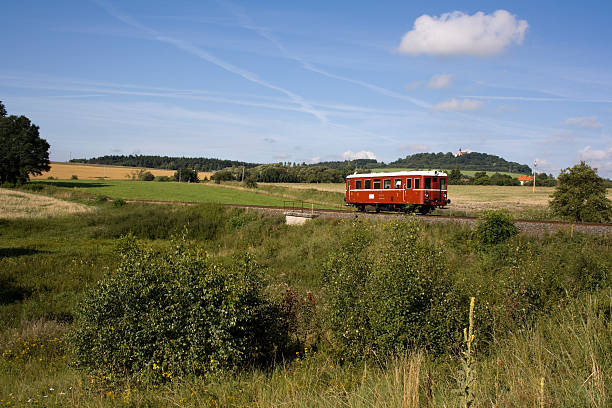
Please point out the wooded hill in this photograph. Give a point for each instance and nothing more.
(467, 161)
(423, 161)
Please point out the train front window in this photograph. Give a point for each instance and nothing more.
(357, 184)
(398, 183)
(368, 184)
(376, 184)
(387, 183)
(408, 184)
(442, 184)
(417, 183)
(427, 183)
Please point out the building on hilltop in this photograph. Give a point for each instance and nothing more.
(461, 153)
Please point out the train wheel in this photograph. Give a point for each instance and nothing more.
(424, 209)
(377, 209)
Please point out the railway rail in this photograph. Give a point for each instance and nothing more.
(531, 227)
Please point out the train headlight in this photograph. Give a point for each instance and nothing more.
(444, 195)
(426, 195)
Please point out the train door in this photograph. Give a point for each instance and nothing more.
(348, 190)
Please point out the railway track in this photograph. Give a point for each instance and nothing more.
(530, 227)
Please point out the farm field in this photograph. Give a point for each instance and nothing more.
(64, 171)
(549, 298)
(18, 204)
(230, 193)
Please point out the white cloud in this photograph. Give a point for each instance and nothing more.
(595, 155)
(600, 159)
(458, 33)
(349, 155)
(440, 81)
(458, 105)
(586, 122)
(281, 156)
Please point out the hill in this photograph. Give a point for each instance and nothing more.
(467, 161)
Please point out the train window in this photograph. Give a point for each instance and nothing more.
(387, 183)
(417, 183)
(376, 184)
(357, 184)
(427, 183)
(368, 184)
(442, 184)
(398, 183)
(408, 183)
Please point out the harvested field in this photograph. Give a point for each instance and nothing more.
(17, 204)
(64, 171)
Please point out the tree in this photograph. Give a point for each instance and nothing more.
(186, 175)
(22, 150)
(581, 195)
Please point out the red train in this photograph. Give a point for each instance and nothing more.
(420, 191)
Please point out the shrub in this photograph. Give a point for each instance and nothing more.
(250, 182)
(146, 176)
(101, 199)
(186, 175)
(32, 187)
(162, 178)
(494, 227)
(74, 177)
(119, 202)
(389, 298)
(165, 313)
(581, 195)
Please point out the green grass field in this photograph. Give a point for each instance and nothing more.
(227, 193)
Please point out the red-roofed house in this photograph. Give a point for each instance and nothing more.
(525, 179)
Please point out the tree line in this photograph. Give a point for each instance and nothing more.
(165, 162)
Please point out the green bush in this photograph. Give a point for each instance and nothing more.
(165, 313)
(162, 178)
(388, 297)
(74, 177)
(494, 227)
(32, 187)
(119, 202)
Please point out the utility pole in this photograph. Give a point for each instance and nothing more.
(534, 175)
(243, 174)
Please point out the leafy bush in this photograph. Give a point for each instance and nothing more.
(74, 177)
(174, 312)
(581, 195)
(250, 182)
(186, 176)
(119, 202)
(162, 178)
(146, 176)
(494, 227)
(389, 298)
(32, 187)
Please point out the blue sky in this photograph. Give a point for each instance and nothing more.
(280, 81)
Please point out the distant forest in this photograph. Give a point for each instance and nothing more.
(468, 161)
(165, 162)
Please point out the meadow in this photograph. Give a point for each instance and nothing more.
(542, 323)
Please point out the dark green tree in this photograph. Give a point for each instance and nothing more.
(581, 195)
(22, 150)
(186, 176)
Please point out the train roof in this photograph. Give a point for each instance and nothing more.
(434, 173)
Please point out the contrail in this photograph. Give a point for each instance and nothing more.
(248, 24)
(200, 53)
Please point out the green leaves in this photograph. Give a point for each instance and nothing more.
(581, 195)
(22, 150)
(494, 227)
(175, 312)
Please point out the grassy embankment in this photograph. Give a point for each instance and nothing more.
(550, 298)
